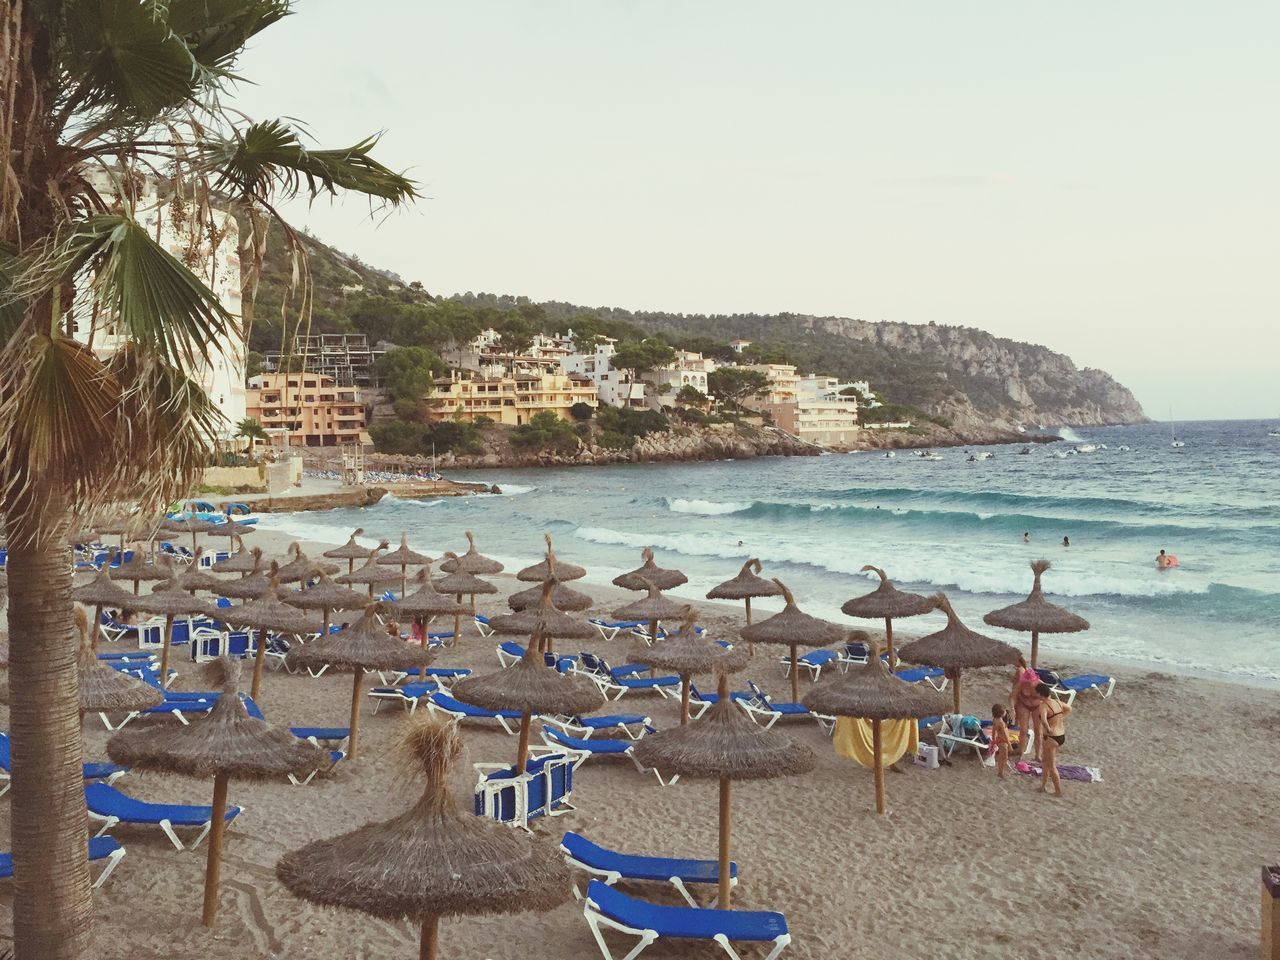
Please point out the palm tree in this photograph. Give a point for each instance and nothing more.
(251, 430)
(122, 93)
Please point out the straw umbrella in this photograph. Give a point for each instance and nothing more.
(745, 586)
(242, 561)
(365, 645)
(137, 569)
(191, 525)
(252, 583)
(955, 647)
(563, 596)
(101, 593)
(649, 574)
(230, 528)
(530, 686)
(170, 600)
(323, 595)
(267, 612)
(872, 692)
(370, 573)
(794, 629)
(544, 620)
(350, 551)
(427, 602)
(192, 579)
(225, 744)
(1036, 615)
(551, 568)
(886, 602)
(473, 561)
(728, 746)
(686, 653)
(302, 567)
(103, 690)
(404, 558)
(654, 608)
(434, 860)
(460, 582)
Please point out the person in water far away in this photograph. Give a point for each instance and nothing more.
(1066, 541)
(1026, 537)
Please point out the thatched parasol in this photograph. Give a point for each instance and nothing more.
(794, 629)
(563, 596)
(1036, 615)
(136, 569)
(473, 561)
(685, 653)
(886, 602)
(745, 586)
(230, 528)
(872, 692)
(252, 583)
(365, 645)
(267, 612)
(302, 568)
(544, 620)
(370, 572)
(227, 743)
(242, 561)
(653, 608)
(326, 596)
(404, 558)
(649, 574)
(460, 582)
(350, 551)
(427, 602)
(170, 601)
(724, 744)
(955, 647)
(530, 686)
(551, 568)
(191, 525)
(192, 579)
(103, 690)
(102, 593)
(432, 861)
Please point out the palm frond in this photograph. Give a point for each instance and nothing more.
(266, 158)
(217, 30)
(13, 304)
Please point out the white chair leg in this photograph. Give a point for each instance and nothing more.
(115, 857)
(167, 827)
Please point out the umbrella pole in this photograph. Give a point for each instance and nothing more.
(422, 625)
(457, 626)
(97, 625)
(751, 647)
(214, 865)
(164, 652)
(522, 750)
(955, 691)
(653, 633)
(877, 748)
(404, 580)
(684, 699)
(1035, 647)
(351, 565)
(355, 711)
(258, 659)
(795, 676)
(888, 643)
(324, 629)
(473, 604)
(726, 790)
(430, 934)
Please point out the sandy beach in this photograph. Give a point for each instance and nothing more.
(1161, 859)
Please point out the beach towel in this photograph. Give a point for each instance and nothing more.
(852, 739)
(1066, 771)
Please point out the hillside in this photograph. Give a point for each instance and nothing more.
(969, 379)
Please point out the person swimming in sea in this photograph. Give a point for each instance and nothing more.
(1066, 541)
(1166, 561)
(1026, 537)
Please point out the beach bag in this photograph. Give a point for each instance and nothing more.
(927, 756)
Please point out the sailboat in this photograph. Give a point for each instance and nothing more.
(1173, 433)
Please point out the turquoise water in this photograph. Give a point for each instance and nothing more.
(948, 524)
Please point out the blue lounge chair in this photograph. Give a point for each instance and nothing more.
(100, 848)
(853, 653)
(544, 789)
(1067, 688)
(936, 677)
(407, 696)
(107, 772)
(611, 909)
(439, 674)
(581, 749)
(443, 703)
(509, 653)
(813, 661)
(482, 626)
(616, 681)
(109, 805)
(610, 866)
(611, 628)
(634, 725)
(699, 702)
(763, 709)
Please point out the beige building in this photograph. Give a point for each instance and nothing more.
(784, 384)
(307, 410)
(827, 423)
(511, 399)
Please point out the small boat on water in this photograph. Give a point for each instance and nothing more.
(1273, 433)
(1058, 454)
(1173, 433)
(986, 455)
(928, 455)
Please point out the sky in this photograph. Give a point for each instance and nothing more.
(1099, 178)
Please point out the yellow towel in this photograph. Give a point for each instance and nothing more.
(852, 740)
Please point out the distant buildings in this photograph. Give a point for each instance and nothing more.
(689, 370)
(347, 358)
(512, 399)
(307, 410)
(813, 408)
(737, 346)
(613, 387)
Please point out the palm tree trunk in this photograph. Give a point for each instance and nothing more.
(52, 902)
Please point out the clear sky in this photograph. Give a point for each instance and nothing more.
(1100, 178)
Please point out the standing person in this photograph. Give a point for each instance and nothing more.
(1025, 700)
(1000, 738)
(1053, 721)
(1026, 537)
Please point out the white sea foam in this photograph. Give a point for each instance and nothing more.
(709, 508)
(514, 489)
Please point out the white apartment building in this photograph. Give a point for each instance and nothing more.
(689, 370)
(211, 251)
(614, 387)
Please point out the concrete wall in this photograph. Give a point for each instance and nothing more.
(284, 474)
(234, 477)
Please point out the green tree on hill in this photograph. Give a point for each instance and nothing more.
(547, 433)
(407, 373)
(734, 385)
(641, 357)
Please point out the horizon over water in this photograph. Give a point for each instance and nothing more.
(949, 525)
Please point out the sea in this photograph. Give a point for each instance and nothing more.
(948, 524)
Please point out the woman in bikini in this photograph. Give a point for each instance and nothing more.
(1025, 702)
(1053, 721)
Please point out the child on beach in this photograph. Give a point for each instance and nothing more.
(1000, 738)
